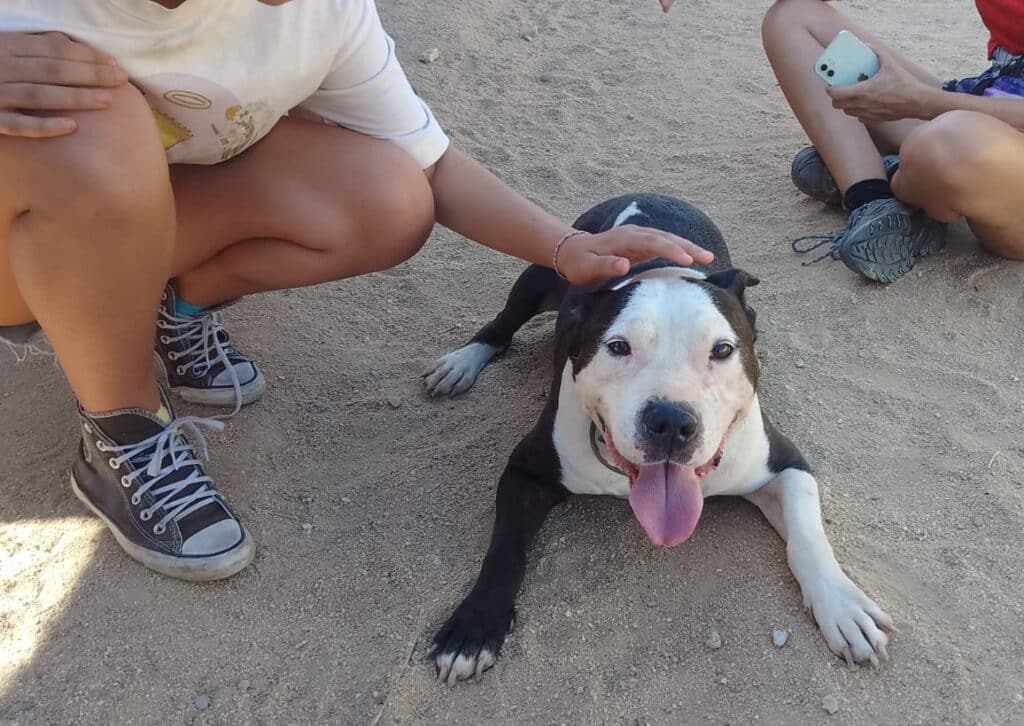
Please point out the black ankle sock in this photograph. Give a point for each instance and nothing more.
(866, 191)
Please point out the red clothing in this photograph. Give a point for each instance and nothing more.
(1005, 22)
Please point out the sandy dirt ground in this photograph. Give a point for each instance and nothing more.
(908, 401)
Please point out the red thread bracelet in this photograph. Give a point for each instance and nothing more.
(558, 248)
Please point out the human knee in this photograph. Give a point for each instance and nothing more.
(111, 169)
(783, 17)
(397, 215)
(949, 154)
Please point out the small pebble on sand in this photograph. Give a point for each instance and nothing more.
(780, 637)
(714, 640)
(307, 527)
(430, 56)
(202, 702)
(830, 704)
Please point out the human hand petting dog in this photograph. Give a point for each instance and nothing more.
(586, 259)
(471, 201)
(892, 94)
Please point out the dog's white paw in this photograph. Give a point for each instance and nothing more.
(469, 642)
(457, 371)
(852, 624)
(453, 666)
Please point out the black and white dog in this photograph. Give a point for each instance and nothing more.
(654, 399)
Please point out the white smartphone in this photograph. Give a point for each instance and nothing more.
(846, 61)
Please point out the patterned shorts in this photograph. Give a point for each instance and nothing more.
(1004, 79)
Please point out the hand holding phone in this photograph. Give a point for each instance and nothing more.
(846, 61)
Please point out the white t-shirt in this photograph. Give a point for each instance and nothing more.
(219, 74)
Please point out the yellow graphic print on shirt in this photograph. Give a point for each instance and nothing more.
(171, 132)
(201, 123)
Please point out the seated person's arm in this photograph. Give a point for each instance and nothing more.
(367, 91)
(895, 94)
(1007, 110)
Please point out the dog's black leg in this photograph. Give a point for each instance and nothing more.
(538, 289)
(471, 639)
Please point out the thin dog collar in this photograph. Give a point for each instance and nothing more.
(596, 442)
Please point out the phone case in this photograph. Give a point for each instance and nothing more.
(846, 61)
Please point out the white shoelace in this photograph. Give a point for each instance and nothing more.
(202, 334)
(171, 451)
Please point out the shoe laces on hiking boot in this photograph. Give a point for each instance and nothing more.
(811, 242)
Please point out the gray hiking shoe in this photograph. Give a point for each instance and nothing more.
(885, 238)
(201, 364)
(812, 177)
(882, 241)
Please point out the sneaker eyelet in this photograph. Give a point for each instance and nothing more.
(126, 482)
(165, 340)
(113, 464)
(200, 370)
(136, 499)
(159, 529)
(145, 515)
(171, 355)
(181, 370)
(100, 446)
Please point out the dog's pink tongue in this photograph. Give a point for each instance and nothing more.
(667, 500)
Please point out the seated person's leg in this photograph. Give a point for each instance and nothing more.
(87, 240)
(968, 165)
(884, 236)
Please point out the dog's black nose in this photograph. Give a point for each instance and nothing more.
(669, 425)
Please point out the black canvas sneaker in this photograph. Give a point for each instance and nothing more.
(201, 364)
(143, 478)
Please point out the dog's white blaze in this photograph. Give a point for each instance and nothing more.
(667, 273)
(671, 327)
(631, 211)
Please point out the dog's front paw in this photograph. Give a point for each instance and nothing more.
(469, 643)
(852, 624)
(457, 371)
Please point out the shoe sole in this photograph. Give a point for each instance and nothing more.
(217, 567)
(885, 256)
(219, 398)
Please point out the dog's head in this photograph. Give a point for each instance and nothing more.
(664, 365)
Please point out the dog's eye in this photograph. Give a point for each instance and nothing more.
(722, 350)
(619, 348)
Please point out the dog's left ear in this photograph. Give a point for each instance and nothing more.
(737, 281)
(734, 280)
